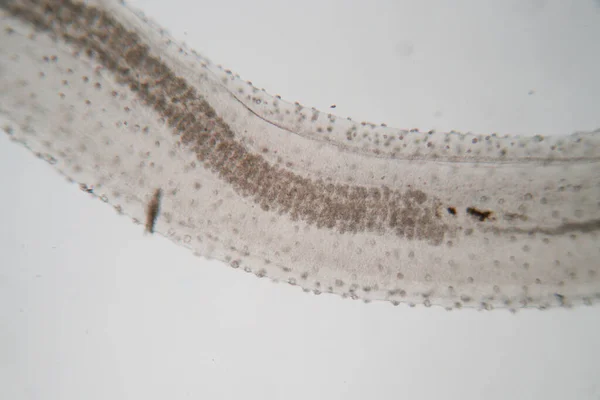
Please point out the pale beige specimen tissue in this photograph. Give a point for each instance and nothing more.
(291, 193)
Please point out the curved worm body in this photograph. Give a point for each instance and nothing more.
(286, 191)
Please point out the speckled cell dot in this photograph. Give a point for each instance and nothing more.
(289, 192)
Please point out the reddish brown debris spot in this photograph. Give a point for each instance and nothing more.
(481, 215)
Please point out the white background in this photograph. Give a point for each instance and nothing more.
(90, 308)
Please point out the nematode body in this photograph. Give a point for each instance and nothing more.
(286, 191)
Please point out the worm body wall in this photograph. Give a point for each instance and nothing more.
(289, 192)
